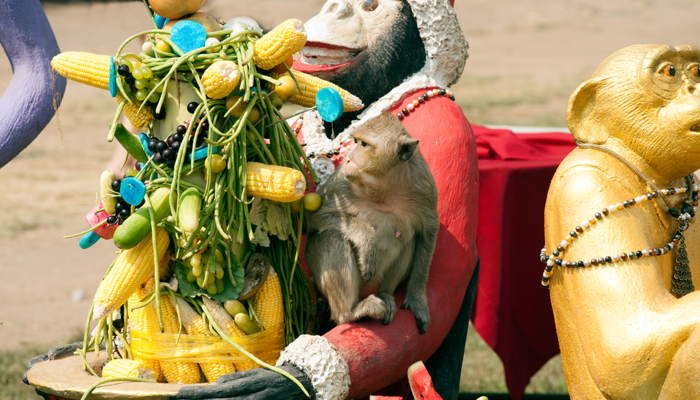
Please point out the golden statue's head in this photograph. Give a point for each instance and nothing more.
(645, 97)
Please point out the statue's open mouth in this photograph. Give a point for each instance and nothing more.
(322, 57)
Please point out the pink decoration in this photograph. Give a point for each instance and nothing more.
(93, 218)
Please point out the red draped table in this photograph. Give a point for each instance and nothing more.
(512, 311)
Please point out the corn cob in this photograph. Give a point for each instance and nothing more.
(175, 372)
(145, 319)
(220, 79)
(267, 302)
(310, 85)
(274, 182)
(194, 324)
(123, 368)
(281, 42)
(131, 110)
(131, 269)
(228, 325)
(88, 68)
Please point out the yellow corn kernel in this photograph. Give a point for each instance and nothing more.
(274, 182)
(131, 110)
(267, 302)
(220, 79)
(88, 68)
(123, 368)
(175, 372)
(145, 319)
(310, 85)
(277, 45)
(194, 324)
(132, 267)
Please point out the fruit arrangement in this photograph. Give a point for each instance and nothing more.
(210, 222)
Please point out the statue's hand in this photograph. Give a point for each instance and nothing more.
(56, 352)
(256, 384)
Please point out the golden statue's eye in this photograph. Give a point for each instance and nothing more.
(695, 71)
(670, 70)
(370, 5)
(364, 144)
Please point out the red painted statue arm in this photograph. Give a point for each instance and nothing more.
(380, 355)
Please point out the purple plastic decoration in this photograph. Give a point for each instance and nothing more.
(27, 105)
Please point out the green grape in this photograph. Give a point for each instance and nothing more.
(141, 83)
(151, 84)
(156, 81)
(197, 271)
(211, 278)
(146, 72)
(196, 260)
(211, 289)
(153, 98)
(137, 73)
(191, 277)
(219, 271)
(219, 257)
(219, 285)
(141, 94)
(200, 281)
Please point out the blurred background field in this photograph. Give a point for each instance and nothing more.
(526, 58)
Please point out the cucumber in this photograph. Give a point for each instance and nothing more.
(138, 225)
(131, 143)
(188, 210)
(107, 195)
(246, 325)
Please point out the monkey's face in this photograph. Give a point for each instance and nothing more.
(343, 29)
(373, 157)
(648, 98)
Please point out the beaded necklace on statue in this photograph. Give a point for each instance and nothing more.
(682, 282)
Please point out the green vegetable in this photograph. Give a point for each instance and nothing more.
(189, 209)
(138, 225)
(131, 143)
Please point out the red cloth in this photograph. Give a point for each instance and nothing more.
(379, 355)
(512, 311)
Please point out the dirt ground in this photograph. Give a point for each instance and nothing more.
(527, 56)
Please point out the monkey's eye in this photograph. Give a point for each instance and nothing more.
(370, 5)
(364, 144)
(354, 140)
(670, 70)
(695, 71)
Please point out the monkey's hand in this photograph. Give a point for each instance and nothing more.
(312, 360)
(418, 303)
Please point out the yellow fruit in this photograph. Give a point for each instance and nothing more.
(296, 206)
(217, 163)
(287, 89)
(239, 109)
(312, 202)
(174, 9)
(254, 115)
(163, 46)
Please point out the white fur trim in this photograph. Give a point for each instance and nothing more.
(445, 44)
(389, 100)
(322, 363)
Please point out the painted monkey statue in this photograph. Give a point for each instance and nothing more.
(398, 56)
(28, 102)
(625, 253)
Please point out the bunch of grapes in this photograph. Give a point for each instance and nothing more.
(140, 82)
(208, 273)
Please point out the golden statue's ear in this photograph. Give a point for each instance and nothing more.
(585, 124)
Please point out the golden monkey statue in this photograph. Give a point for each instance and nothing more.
(626, 327)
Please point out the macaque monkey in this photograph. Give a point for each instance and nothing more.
(623, 334)
(377, 226)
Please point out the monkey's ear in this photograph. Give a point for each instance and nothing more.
(407, 148)
(586, 125)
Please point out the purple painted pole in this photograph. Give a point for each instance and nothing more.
(28, 103)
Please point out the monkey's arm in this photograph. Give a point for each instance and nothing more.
(415, 294)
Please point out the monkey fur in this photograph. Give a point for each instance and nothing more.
(376, 227)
